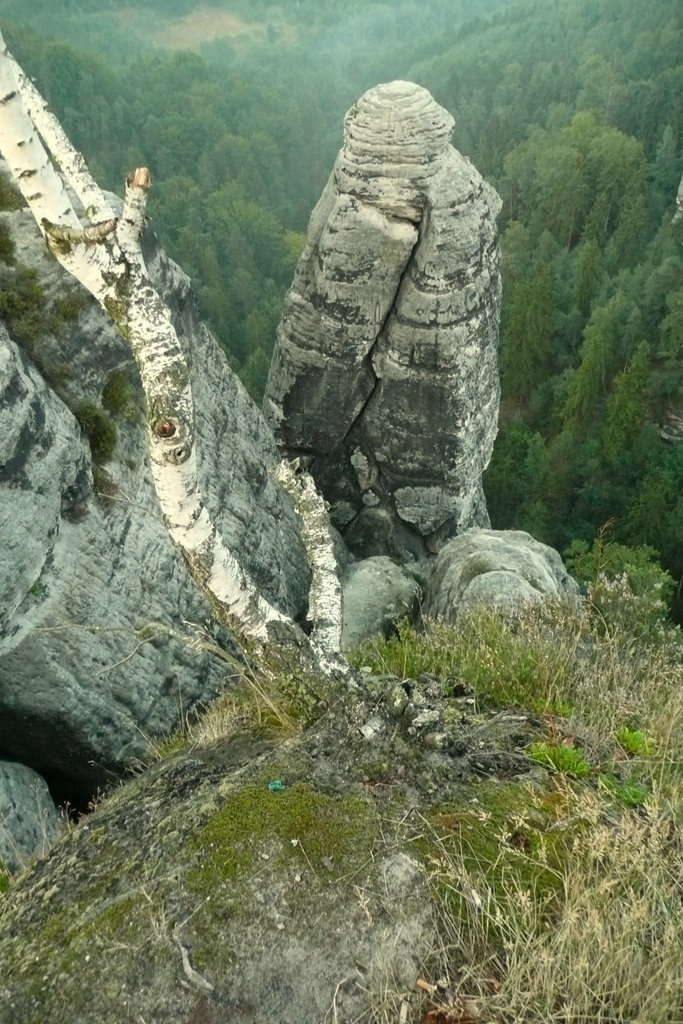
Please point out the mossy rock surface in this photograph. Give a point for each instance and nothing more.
(259, 880)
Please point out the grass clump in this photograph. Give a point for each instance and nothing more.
(598, 942)
(562, 904)
(525, 660)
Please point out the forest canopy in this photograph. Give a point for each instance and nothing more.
(572, 110)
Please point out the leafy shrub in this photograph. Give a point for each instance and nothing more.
(626, 585)
(99, 430)
(117, 394)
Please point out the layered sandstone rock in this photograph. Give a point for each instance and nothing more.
(85, 558)
(384, 376)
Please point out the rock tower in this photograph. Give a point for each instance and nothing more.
(384, 378)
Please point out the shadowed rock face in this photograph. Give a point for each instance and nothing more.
(384, 376)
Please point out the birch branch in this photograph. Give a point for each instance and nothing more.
(71, 162)
(325, 601)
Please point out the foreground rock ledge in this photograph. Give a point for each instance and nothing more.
(384, 376)
(261, 881)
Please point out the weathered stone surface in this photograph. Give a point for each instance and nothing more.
(377, 593)
(29, 821)
(498, 568)
(80, 573)
(196, 894)
(384, 375)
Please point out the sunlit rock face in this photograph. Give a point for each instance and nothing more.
(384, 377)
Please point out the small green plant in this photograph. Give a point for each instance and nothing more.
(99, 430)
(67, 309)
(105, 487)
(117, 394)
(630, 793)
(561, 758)
(22, 304)
(635, 742)
(10, 196)
(38, 590)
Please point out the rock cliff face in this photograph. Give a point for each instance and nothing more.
(384, 376)
(85, 560)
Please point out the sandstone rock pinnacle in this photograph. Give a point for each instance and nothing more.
(384, 376)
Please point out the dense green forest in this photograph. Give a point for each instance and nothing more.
(573, 110)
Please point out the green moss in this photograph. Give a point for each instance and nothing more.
(501, 840)
(298, 824)
(118, 311)
(98, 428)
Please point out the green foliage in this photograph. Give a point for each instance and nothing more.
(561, 758)
(68, 309)
(635, 741)
(626, 585)
(118, 395)
(98, 428)
(572, 111)
(10, 196)
(499, 656)
(22, 304)
(630, 793)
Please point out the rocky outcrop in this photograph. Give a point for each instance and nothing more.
(384, 376)
(377, 593)
(85, 560)
(268, 882)
(502, 569)
(29, 821)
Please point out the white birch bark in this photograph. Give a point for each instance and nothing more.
(325, 600)
(106, 258)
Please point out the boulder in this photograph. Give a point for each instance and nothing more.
(85, 560)
(377, 593)
(29, 820)
(497, 568)
(384, 376)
